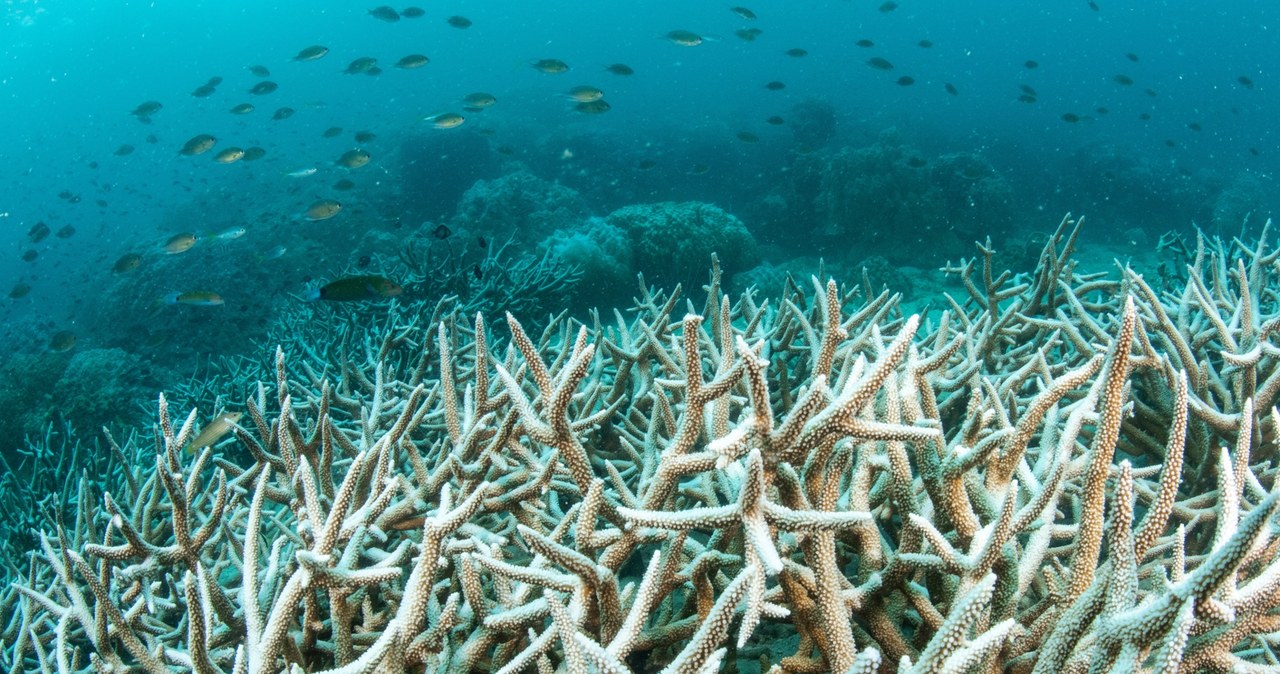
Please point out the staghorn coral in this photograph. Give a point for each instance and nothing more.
(1002, 488)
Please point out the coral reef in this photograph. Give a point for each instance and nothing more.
(669, 239)
(602, 253)
(1061, 473)
(518, 205)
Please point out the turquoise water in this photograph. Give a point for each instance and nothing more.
(1146, 117)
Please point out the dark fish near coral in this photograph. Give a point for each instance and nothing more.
(684, 38)
(127, 263)
(363, 262)
(65, 232)
(951, 89)
(917, 162)
(322, 210)
(413, 12)
(775, 86)
(1123, 80)
(879, 63)
(459, 22)
(242, 109)
(354, 158)
(385, 13)
(412, 61)
(180, 243)
(593, 107)
(550, 66)
(282, 113)
(20, 290)
(1070, 117)
(204, 91)
(775, 121)
(311, 53)
(214, 431)
(796, 52)
(748, 137)
(124, 150)
(263, 88)
(906, 81)
(29, 256)
(62, 341)
(38, 232)
(194, 298)
(585, 93)
(356, 289)
(1026, 89)
(259, 71)
(1245, 82)
(331, 132)
(620, 69)
(1195, 126)
(362, 65)
(442, 232)
(646, 164)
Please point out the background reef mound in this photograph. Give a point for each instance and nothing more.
(1062, 473)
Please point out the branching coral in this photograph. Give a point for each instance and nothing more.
(1002, 488)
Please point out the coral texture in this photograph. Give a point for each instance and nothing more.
(669, 239)
(1062, 473)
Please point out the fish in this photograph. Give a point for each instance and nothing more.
(242, 109)
(550, 66)
(146, 109)
(585, 93)
(593, 107)
(362, 65)
(385, 13)
(865, 43)
(925, 44)
(748, 137)
(917, 162)
(620, 69)
(775, 86)
(775, 121)
(315, 51)
(65, 232)
(748, 34)
(413, 12)
(744, 13)
(20, 290)
(354, 158)
(62, 341)
(259, 71)
(322, 210)
(38, 232)
(684, 38)
(442, 232)
(887, 7)
(263, 88)
(906, 81)
(446, 120)
(127, 263)
(479, 100)
(230, 155)
(1132, 57)
(332, 132)
(124, 150)
(356, 289)
(214, 431)
(204, 91)
(344, 184)
(180, 243)
(951, 89)
(1070, 117)
(412, 61)
(459, 22)
(879, 63)
(301, 173)
(274, 253)
(646, 165)
(282, 113)
(199, 144)
(229, 234)
(796, 52)
(194, 298)
(1031, 65)
(364, 136)
(1123, 80)
(254, 153)
(1245, 82)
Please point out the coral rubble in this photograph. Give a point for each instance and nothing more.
(1061, 473)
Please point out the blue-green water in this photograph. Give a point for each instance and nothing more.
(1145, 116)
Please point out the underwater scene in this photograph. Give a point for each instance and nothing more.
(821, 336)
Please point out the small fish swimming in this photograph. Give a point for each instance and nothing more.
(442, 232)
(20, 290)
(459, 22)
(684, 38)
(180, 243)
(282, 113)
(356, 289)
(585, 93)
(230, 155)
(65, 232)
(242, 109)
(744, 13)
(446, 120)
(254, 153)
(620, 69)
(385, 13)
(595, 107)
(214, 431)
(412, 61)
(62, 341)
(312, 53)
(301, 173)
(322, 210)
(229, 234)
(127, 263)
(274, 253)
(362, 65)
(38, 232)
(550, 66)
(353, 159)
(194, 298)
(413, 12)
(198, 145)
(263, 88)
(479, 100)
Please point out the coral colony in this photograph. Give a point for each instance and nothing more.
(1055, 472)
